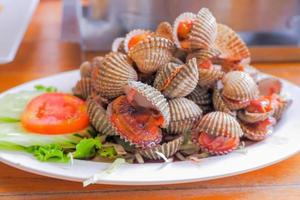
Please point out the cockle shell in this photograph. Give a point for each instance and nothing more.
(231, 46)
(268, 86)
(219, 104)
(204, 55)
(200, 96)
(281, 107)
(166, 74)
(249, 117)
(151, 53)
(235, 105)
(239, 86)
(83, 88)
(168, 149)
(219, 124)
(164, 29)
(253, 134)
(113, 74)
(184, 82)
(209, 77)
(204, 31)
(96, 63)
(86, 69)
(118, 45)
(134, 133)
(133, 33)
(98, 117)
(149, 97)
(184, 113)
(180, 18)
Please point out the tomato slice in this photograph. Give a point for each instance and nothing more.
(55, 113)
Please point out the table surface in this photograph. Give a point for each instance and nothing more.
(42, 53)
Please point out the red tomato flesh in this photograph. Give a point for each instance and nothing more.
(55, 113)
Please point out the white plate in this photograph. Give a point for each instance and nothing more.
(281, 145)
(14, 18)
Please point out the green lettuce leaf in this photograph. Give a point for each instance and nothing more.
(87, 148)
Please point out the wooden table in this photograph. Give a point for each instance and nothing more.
(42, 53)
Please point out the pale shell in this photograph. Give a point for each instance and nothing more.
(168, 149)
(151, 98)
(203, 55)
(184, 113)
(85, 69)
(232, 105)
(96, 63)
(181, 17)
(166, 74)
(98, 117)
(184, 82)
(219, 124)
(151, 53)
(118, 45)
(83, 88)
(254, 135)
(248, 117)
(114, 73)
(281, 107)
(204, 31)
(219, 104)
(230, 45)
(200, 96)
(164, 29)
(239, 86)
(132, 34)
(209, 77)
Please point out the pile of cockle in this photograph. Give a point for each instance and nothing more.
(180, 91)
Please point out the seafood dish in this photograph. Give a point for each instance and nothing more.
(184, 91)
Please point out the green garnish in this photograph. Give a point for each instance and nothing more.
(108, 152)
(49, 153)
(45, 89)
(8, 120)
(87, 148)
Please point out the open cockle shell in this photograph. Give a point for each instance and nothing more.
(219, 124)
(204, 31)
(164, 29)
(281, 107)
(149, 97)
(180, 18)
(239, 86)
(168, 149)
(268, 86)
(249, 117)
(118, 45)
(114, 73)
(184, 113)
(200, 96)
(209, 77)
(231, 46)
(131, 34)
(151, 53)
(83, 88)
(219, 104)
(98, 117)
(184, 82)
(204, 55)
(166, 74)
(253, 134)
